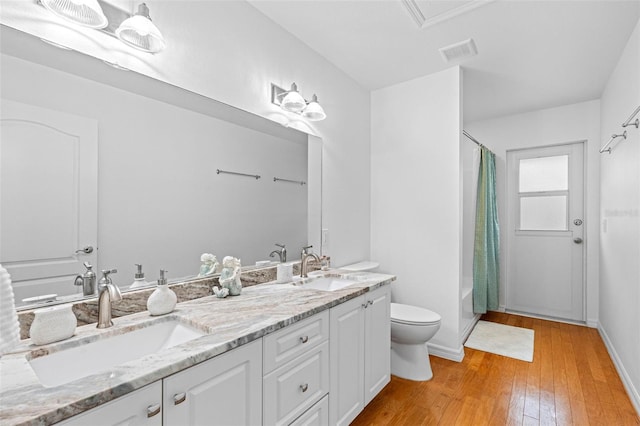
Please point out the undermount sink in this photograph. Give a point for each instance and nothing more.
(327, 283)
(101, 355)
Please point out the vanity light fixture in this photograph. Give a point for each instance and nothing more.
(138, 31)
(292, 101)
(87, 13)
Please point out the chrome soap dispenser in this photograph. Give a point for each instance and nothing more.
(163, 299)
(139, 280)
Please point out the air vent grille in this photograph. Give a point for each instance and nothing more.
(459, 51)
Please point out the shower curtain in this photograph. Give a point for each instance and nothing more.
(486, 249)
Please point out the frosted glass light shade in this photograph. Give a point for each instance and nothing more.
(293, 101)
(138, 31)
(314, 110)
(83, 12)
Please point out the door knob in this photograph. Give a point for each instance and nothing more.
(577, 240)
(85, 250)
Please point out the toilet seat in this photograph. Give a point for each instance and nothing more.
(413, 315)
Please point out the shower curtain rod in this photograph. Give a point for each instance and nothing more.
(464, 132)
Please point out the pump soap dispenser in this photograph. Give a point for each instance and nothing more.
(139, 280)
(163, 299)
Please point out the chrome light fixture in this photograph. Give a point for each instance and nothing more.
(138, 31)
(292, 101)
(83, 12)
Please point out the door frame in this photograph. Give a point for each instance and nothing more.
(511, 221)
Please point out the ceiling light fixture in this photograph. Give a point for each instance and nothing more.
(87, 13)
(138, 31)
(292, 101)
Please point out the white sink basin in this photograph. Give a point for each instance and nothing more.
(101, 355)
(325, 283)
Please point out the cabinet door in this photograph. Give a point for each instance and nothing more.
(377, 341)
(346, 398)
(138, 408)
(225, 390)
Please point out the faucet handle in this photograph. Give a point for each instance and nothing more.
(281, 245)
(105, 277)
(304, 249)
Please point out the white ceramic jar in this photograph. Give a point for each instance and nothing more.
(52, 324)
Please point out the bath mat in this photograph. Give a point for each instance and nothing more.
(505, 340)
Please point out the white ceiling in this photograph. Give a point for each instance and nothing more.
(531, 54)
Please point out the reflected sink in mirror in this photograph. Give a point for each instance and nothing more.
(326, 283)
(100, 355)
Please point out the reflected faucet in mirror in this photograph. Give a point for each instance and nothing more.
(282, 253)
(87, 280)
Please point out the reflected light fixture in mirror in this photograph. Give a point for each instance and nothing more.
(139, 32)
(292, 101)
(87, 13)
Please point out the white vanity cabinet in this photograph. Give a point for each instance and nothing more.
(360, 342)
(296, 365)
(142, 407)
(225, 390)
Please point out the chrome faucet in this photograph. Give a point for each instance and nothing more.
(282, 253)
(108, 293)
(305, 259)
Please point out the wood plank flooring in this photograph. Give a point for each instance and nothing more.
(571, 381)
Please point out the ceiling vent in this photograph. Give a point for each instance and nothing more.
(460, 51)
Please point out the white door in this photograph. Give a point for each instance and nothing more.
(545, 256)
(48, 198)
(225, 390)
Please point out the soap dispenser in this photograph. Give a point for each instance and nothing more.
(139, 280)
(163, 299)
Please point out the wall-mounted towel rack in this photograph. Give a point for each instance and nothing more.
(606, 147)
(635, 123)
(218, 171)
(299, 182)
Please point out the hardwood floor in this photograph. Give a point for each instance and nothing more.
(571, 381)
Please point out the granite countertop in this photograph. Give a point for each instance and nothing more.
(229, 323)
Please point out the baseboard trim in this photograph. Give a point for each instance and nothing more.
(445, 352)
(634, 396)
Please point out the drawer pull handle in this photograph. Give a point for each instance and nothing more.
(179, 398)
(304, 339)
(304, 387)
(370, 302)
(153, 410)
(364, 305)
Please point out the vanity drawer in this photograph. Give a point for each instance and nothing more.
(318, 415)
(292, 341)
(295, 387)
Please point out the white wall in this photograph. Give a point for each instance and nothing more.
(160, 200)
(416, 227)
(620, 227)
(229, 51)
(570, 123)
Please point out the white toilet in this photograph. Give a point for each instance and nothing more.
(411, 328)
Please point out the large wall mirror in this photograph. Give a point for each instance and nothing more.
(92, 156)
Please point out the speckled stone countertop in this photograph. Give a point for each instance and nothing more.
(230, 322)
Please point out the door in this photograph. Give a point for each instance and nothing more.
(545, 256)
(377, 341)
(48, 210)
(225, 390)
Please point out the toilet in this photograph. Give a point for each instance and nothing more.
(411, 328)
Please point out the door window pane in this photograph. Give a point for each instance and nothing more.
(544, 174)
(543, 213)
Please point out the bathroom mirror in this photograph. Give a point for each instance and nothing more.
(162, 197)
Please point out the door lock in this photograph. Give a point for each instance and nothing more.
(577, 240)
(577, 222)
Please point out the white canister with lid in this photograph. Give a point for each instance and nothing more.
(52, 324)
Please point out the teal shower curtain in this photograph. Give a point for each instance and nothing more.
(486, 249)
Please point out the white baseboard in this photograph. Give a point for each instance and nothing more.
(622, 372)
(445, 352)
(592, 323)
(502, 308)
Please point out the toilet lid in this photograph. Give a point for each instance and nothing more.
(408, 314)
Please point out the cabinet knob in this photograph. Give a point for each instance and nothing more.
(179, 398)
(304, 387)
(304, 339)
(154, 409)
(364, 305)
